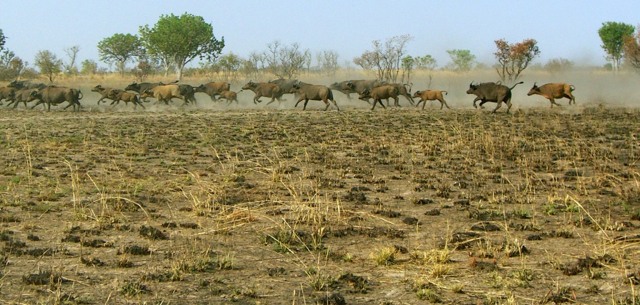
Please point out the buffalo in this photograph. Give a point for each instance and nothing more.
(431, 95)
(264, 89)
(229, 95)
(25, 96)
(54, 95)
(308, 92)
(7, 93)
(552, 91)
(355, 86)
(404, 90)
(491, 92)
(212, 89)
(105, 93)
(163, 93)
(188, 92)
(379, 93)
(127, 97)
(142, 87)
(25, 84)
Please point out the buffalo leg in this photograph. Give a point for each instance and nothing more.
(375, 101)
(306, 101)
(335, 104)
(298, 102)
(327, 105)
(499, 104)
(443, 102)
(553, 102)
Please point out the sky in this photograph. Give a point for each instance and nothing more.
(563, 28)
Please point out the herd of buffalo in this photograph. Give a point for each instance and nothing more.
(25, 92)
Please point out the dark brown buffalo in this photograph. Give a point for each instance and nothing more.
(213, 89)
(431, 95)
(491, 92)
(54, 95)
(106, 93)
(25, 84)
(379, 93)
(188, 92)
(308, 92)
(264, 89)
(552, 91)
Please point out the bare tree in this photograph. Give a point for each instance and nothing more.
(514, 58)
(385, 57)
(72, 54)
(285, 61)
(328, 62)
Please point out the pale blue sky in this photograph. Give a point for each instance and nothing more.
(563, 29)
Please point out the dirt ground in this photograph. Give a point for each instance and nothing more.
(281, 206)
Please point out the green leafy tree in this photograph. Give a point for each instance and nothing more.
(408, 63)
(613, 35)
(49, 64)
(177, 40)
(88, 66)
(513, 59)
(11, 66)
(229, 64)
(426, 62)
(461, 60)
(3, 40)
(119, 49)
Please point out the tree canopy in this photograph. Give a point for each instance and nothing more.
(514, 58)
(461, 60)
(613, 35)
(177, 40)
(3, 40)
(119, 49)
(49, 64)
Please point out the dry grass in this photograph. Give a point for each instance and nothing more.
(280, 206)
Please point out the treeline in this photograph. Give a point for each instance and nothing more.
(161, 50)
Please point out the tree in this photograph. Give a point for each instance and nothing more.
(3, 40)
(558, 65)
(514, 58)
(88, 66)
(229, 64)
(11, 66)
(385, 58)
(461, 60)
(72, 53)
(49, 64)
(328, 61)
(285, 61)
(426, 62)
(408, 63)
(613, 35)
(119, 49)
(177, 40)
(631, 50)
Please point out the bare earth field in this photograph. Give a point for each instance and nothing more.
(397, 206)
